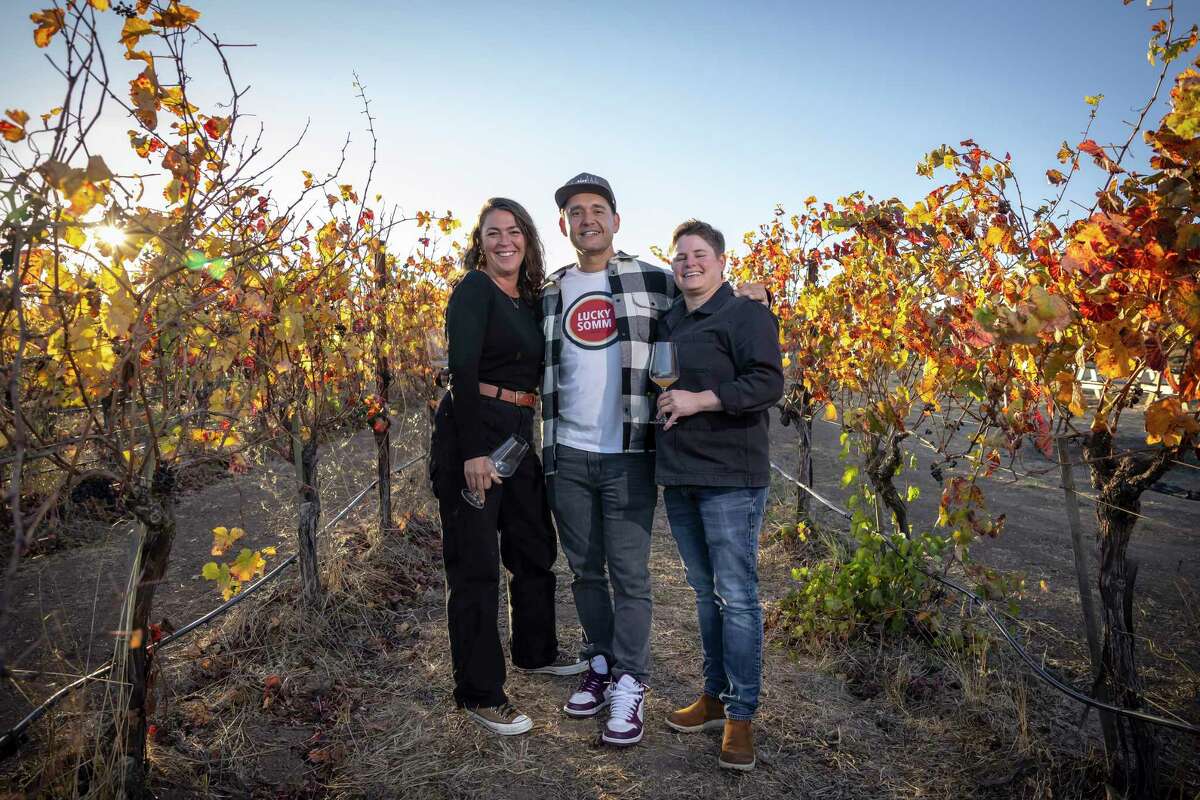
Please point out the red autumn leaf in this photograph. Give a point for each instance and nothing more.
(1101, 158)
(11, 132)
(1098, 312)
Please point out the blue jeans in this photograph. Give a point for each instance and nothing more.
(716, 529)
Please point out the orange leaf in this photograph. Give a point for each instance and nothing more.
(49, 22)
(1166, 422)
(11, 132)
(176, 15)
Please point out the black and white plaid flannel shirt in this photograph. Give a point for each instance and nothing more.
(641, 294)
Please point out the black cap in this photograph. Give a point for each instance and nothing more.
(584, 182)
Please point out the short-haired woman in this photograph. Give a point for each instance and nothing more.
(495, 342)
(714, 463)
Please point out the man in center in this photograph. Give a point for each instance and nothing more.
(600, 315)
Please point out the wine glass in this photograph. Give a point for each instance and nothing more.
(664, 369)
(505, 460)
(438, 351)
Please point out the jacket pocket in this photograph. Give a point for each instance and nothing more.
(653, 303)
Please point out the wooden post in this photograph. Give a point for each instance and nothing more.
(383, 384)
(1086, 602)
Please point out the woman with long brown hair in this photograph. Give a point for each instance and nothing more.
(493, 327)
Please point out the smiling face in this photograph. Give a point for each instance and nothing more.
(698, 270)
(503, 243)
(590, 223)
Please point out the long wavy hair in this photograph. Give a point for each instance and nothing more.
(533, 267)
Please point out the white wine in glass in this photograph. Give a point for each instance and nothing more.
(505, 460)
(436, 348)
(664, 368)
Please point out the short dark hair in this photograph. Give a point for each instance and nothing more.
(694, 227)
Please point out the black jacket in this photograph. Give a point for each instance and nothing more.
(731, 346)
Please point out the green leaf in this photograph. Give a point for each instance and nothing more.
(211, 571)
(849, 475)
(912, 494)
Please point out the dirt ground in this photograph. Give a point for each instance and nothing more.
(363, 708)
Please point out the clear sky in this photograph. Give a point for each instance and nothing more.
(718, 110)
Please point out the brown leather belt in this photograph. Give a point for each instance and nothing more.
(526, 399)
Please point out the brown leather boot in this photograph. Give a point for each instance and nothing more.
(737, 746)
(704, 714)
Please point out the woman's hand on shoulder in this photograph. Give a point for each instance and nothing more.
(480, 474)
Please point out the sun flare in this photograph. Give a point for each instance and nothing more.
(110, 235)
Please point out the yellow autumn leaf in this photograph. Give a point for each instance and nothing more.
(133, 30)
(143, 93)
(74, 236)
(121, 311)
(175, 15)
(1167, 422)
(1113, 359)
(831, 413)
(224, 538)
(49, 22)
(1064, 381)
(247, 565)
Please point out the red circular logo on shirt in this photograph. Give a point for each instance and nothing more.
(591, 321)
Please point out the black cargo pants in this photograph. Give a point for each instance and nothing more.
(516, 510)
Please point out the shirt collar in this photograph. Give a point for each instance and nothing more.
(554, 277)
(714, 304)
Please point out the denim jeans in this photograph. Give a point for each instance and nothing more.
(716, 529)
(604, 506)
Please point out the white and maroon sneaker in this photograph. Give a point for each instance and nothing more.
(624, 726)
(593, 692)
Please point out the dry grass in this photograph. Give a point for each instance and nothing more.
(363, 708)
(353, 700)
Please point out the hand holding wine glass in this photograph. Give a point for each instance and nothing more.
(437, 349)
(664, 368)
(504, 460)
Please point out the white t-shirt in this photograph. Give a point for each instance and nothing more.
(590, 412)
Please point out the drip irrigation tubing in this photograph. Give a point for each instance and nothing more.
(11, 740)
(1038, 669)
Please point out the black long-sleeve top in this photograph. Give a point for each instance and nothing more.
(731, 346)
(493, 339)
